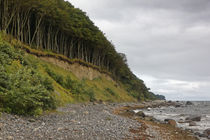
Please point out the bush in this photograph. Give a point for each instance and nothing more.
(110, 91)
(23, 90)
(57, 77)
(25, 93)
(79, 88)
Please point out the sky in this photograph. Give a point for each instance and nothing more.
(167, 42)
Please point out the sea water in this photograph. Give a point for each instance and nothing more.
(199, 108)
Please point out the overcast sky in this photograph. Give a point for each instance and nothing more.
(167, 42)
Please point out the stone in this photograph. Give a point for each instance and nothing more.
(149, 118)
(192, 124)
(140, 114)
(181, 121)
(171, 122)
(31, 120)
(86, 112)
(130, 112)
(207, 132)
(177, 105)
(10, 138)
(1, 125)
(189, 103)
(43, 123)
(193, 118)
(60, 128)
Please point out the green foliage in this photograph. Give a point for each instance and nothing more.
(57, 77)
(75, 87)
(110, 91)
(23, 90)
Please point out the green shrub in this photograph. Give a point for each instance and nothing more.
(57, 77)
(23, 90)
(110, 91)
(25, 93)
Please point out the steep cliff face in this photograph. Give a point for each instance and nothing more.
(30, 85)
(80, 71)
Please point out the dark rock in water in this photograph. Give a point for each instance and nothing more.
(140, 114)
(181, 121)
(189, 103)
(166, 120)
(171, 122)
(193, 118)
(192, 124)
(169, 101)
(177, 105)
(207, 133)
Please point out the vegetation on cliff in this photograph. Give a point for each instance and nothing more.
(64, 32)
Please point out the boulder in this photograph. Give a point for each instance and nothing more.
(189, 103)
(193, 118)
(192, 124)
(10, 138)
(1, 125)
(149, 118)
(130, 112)
(177, 105)
(171, 122)
(140, 114)
(181, 121)
(207, 132)
(148, 109)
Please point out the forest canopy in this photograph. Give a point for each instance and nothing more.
(57, 26)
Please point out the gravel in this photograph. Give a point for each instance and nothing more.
(74, 121)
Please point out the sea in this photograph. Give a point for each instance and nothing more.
(199, 108)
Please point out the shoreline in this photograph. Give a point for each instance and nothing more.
(153, 128)
(91, 121)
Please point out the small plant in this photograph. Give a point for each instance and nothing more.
(110, 91)
(57, 77)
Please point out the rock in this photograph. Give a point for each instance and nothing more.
(43, 123)
(149, 118)
(95, 103)
(10, 138)
(189, 103)
(181, 121)
(1, 138)
(86, 112)
(192, 124)
(31, 120)
(207, 132)
(140, 114)
(171, 122)
(193, 118)
(166, 120)
(1, 125)
(177, 105)
(130, 112)
(60, 128)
